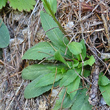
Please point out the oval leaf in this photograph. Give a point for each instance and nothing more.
(48, 79)
(81, 101)
(40, 51)
(105, 90)
(4, 35)
(54, 33)
(33, 71)
(32, 91)
(73, 87)
(75, 48)
(69, 77)
(103, 80)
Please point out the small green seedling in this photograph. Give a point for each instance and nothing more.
(66, 73)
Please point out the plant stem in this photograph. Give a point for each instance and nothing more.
(52, 14)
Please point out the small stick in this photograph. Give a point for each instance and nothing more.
(106, 30)
(53, 85)
(3, 63)
(63, 99)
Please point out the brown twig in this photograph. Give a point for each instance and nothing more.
(52, 85)
(56, 97)
(63, 99)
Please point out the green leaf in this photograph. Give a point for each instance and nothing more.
(59, 57)
(53, 32)
(86, 73)
(61, 68)
(33, 71)
(40, 51)
(69, 64)
(81, 101)
(4, 35)
(69, 77)
(32, 91)
(35, 92)
(48, 79)
(73, 87)
(2, 3)
(76, 63)
(83, 50)
(66, 103)
(75, 48)
(77, 102)
(105, 90)
(83, 53)
(52, 4)
(103, 80)
(90, 62)
(21, 5)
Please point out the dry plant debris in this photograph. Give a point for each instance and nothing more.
(85, 19)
